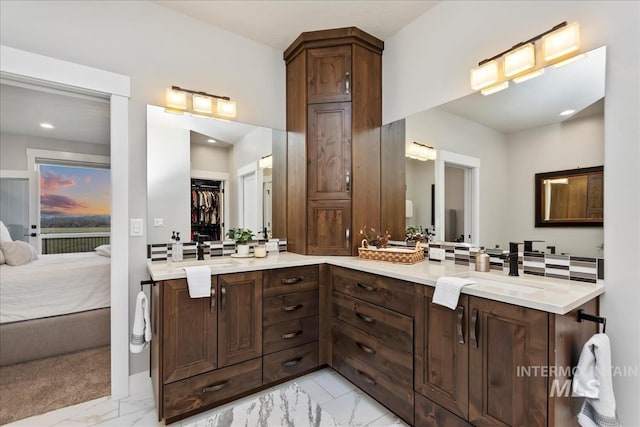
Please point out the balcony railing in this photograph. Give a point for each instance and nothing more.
(63, 243)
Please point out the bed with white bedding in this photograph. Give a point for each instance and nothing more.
(54, 305)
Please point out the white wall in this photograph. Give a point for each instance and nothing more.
(427, 63)
(449, 132)
(210, 158)
(576, 143)
(157, 48)
(13, 149)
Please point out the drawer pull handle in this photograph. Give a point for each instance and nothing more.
(365, 348)
(216, 387)
(212, 307)
(292, 362)
(366, 287)
(474, 328)
(459, 326)
(347, 82)
(291, 280)
(366, 377)
(366, 318)
(223, 297)
(290, 335)
(291, 307)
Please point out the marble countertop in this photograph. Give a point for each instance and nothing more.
(541, 293)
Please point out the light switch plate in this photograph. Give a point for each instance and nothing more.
(137, 227)
(437, 253)
(158, 222)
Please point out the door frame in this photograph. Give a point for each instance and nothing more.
(242, 172)
(117, 87)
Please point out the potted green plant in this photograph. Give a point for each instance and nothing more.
(413, 235)
(242, 237)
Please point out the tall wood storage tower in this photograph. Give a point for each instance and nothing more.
(333, 150)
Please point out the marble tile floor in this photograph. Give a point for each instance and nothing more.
(320, 399)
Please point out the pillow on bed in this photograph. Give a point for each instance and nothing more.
(104, 250)
(4, 233)
(18, 252)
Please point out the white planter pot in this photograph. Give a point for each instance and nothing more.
(243, 249)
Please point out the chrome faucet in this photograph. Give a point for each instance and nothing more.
(513, 259)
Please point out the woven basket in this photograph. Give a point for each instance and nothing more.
(397, 255)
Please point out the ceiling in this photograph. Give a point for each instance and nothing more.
(279, 23)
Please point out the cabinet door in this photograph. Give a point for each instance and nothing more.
(504, 341)
(189, 332)
(329, 227)
(442, 352)
(239, 317)
(329, 151)
(329, 74)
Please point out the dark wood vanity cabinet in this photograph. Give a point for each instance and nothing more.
(333, 152)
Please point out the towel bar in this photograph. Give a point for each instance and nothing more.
(591, 318)
(147, 282)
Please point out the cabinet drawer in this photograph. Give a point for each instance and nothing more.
(289, 334)
(383, 291)
(205, 389)
(388, 360)
(290, 362)
(289, 307)
(288, 280)
(385, 389)
(428, 414)
(393, 329)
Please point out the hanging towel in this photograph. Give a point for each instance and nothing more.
(199, 281)
(141, 333)
(448, 289)
(592, 380)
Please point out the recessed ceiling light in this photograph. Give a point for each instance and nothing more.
(567, 112)
(47, 126)
(213, 141)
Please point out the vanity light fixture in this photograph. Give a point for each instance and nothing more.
(526, 60)
(211, 141)
(567, 112)
(266, 162)
(202, 103)
(421, 152)
(47, 126)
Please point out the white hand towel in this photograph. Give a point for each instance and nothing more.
(141, 333)
(199, 281)
(448, 289)
(593, 381)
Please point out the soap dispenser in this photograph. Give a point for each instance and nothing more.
(482, 260)
(176, 247)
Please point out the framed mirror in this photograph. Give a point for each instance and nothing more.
(570, 198)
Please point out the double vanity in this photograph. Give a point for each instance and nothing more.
(488, 362)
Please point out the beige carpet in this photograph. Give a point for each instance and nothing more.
(39, 386)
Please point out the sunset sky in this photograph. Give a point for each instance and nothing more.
(70, 190)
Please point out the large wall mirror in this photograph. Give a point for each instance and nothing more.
(204, 176)
(551, 123)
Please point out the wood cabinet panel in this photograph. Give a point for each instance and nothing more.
(240, 317)
(505, 338)
(189, 332)
(207, 389)
(383, 291)
(290, 362)
(329, 227)
(329, 74)
(289, 334)
(393, 187)
(287, 280)
(290, 307)
(394, 329)
(329, 151)
(429, 414)
(442, 352)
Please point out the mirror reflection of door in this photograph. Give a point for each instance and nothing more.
(248, 198)
(266, 208)
(454, 204)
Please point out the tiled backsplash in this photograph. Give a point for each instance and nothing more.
(162, 251)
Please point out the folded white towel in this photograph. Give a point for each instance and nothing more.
(141, 333)
(448, 289)
(592, 380)
(199, 281)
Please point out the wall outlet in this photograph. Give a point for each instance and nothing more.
(437, 253)
(158, 222)
(136, 227)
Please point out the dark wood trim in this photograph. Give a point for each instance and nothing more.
(325, 315)
(393, 182)
(540, 177)
(279, 185)
(332, 37)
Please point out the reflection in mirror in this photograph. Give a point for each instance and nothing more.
(515, 134)
(570, 198)
(203, 176)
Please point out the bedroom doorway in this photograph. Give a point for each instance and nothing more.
(27, 66)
